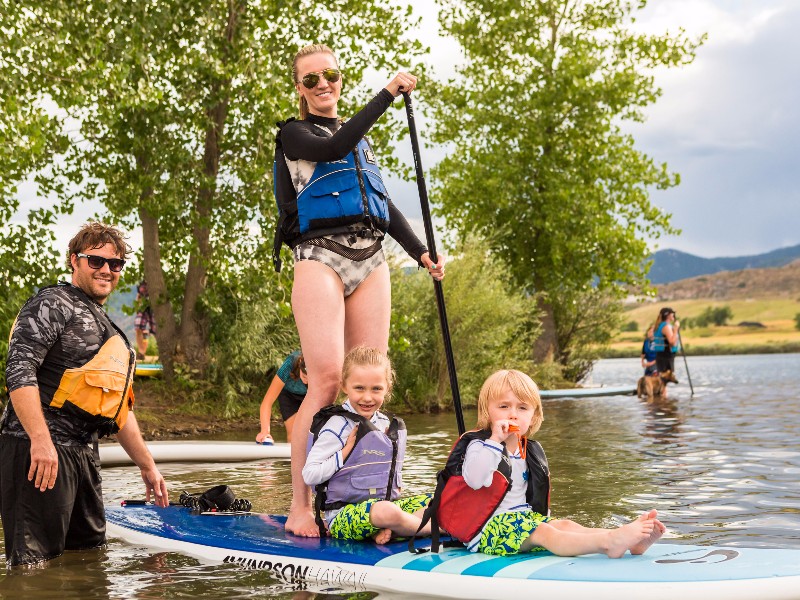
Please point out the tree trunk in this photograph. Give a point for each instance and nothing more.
(166, 328)
(545, 348)
(194, 328)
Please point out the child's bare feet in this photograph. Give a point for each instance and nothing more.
(383, 536)
(655, 535)
(631, 535)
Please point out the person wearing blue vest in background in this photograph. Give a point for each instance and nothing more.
(362, 500)
(289, 388)
(666, 342)
(649, 352)
(333, 212)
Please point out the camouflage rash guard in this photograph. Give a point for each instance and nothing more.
(53, 332)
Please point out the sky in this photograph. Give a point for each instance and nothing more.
(729, 124)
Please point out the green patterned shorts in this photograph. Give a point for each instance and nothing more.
(352, 522)
(504, 533)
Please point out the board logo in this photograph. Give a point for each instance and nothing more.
(709, 557)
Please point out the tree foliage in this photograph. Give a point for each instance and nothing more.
(540, 163)
(712, 315)
(169, 110)
(491, 327)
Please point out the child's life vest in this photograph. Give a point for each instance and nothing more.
(463, 511)
(333, 197)
(100, 391)
(371, 470)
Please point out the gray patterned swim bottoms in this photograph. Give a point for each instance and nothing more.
(351, 269)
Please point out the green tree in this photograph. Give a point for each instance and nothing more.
(491, 326)
(797, 321)
(540, 163)
(171, 108)
(713, 315)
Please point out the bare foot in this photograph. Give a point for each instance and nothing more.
(659, 530)
(301, 523)
(383, 536)
(629, 536)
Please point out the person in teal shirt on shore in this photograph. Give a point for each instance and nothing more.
(288, 387)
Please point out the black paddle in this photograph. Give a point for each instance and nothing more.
(685, 363)
(437, 285)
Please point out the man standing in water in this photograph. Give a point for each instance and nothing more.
(69, 376)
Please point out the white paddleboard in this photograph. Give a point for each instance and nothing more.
(196, 451)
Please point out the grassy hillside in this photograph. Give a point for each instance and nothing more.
(770, 297)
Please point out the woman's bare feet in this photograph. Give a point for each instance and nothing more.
(659, 530)
(302, 523)
(383, 536)
(631, 535)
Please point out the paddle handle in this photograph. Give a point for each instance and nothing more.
(437, 285)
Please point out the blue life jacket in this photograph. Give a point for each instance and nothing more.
(660, 341)
(649, 349)
(337, 197)
(371, 470)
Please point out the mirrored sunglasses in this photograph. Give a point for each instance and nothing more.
(97, 262)
(312, 79)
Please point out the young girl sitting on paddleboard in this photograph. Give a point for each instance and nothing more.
(516, 519)
(356, 458)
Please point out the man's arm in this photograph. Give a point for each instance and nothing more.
(130, 438)
(44, 460)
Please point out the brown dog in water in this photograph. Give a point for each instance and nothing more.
(654, 386)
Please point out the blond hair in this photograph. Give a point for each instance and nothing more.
(522, 386)
(308, 51)
(364, 356)
(96, 235)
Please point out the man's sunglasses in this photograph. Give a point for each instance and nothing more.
(312, 79)
(97, 262)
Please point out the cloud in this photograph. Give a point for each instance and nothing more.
(728, 124)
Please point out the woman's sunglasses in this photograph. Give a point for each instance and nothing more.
(312, 79)
(97, 262)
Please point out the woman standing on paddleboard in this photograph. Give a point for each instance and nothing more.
(334, 211)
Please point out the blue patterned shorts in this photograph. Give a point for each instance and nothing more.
(352, 522)
(504, 533)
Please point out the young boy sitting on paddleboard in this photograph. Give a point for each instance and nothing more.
(356, 458)
(477, 506)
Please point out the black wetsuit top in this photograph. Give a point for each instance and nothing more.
(300, 141)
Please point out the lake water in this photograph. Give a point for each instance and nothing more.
(722, 467)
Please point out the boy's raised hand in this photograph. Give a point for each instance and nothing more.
(502, 429)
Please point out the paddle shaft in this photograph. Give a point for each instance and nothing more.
(685, 363)
(437, 285)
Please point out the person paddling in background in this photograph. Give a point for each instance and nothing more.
(509, 412)
(288, 387)
(143, 322)
(334, 211)
(666, 342)
(362, 501)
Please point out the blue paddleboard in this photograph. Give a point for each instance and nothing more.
(259, 541)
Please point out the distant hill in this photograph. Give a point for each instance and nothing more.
(773, 282)
(674, 265)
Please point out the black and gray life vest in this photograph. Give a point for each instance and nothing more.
(324, 198)
(371, 470)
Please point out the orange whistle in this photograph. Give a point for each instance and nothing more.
(512, 428)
